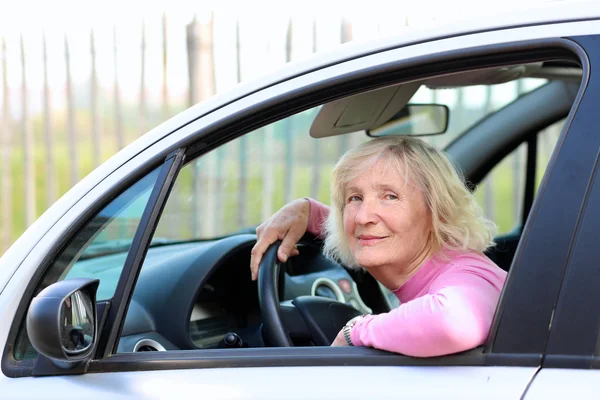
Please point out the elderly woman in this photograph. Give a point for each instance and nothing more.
(401, 211)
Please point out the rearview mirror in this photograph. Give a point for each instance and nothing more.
(415, 120)
(61, 321)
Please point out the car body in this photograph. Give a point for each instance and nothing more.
(544, 338)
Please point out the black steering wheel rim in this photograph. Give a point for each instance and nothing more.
(268, 297)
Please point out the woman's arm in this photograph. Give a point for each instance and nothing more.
(317, 217)
(453, 318)
(288, 225)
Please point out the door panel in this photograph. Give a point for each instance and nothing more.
(564, 384)
(284, 383)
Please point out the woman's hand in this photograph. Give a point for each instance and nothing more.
(288, 225)
(340, 340)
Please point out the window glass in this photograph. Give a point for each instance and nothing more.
(98, 249)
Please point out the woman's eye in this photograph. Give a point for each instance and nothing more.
(391, 197)
(353, 198)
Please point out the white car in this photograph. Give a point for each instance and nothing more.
(136, 283)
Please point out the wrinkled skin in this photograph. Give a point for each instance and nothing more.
(288, 225)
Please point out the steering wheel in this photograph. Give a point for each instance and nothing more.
(316, 319)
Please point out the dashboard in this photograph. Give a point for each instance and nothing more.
(191, 295)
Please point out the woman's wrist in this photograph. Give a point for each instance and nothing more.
(317, 214)
(347, 329)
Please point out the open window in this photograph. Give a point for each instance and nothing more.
(507, 192)
(194, 287)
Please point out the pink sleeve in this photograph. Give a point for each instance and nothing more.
(318, 214)
(455, 316)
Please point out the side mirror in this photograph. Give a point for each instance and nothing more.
(62, 321)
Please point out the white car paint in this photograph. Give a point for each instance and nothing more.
(19, 264)
(330, 383)
(564, 383)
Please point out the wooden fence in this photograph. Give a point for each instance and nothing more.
(47, 149)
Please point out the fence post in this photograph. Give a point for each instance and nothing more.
(7, 188)
(117, 94)
(50, 180)
(288, 129)
(192, 56)
(316, 169)
(267, 171)
(71, 117)
(345, 37)
(143, 110)
(94, 103)
(201, 85)
(175, 220)
(27, 146)
(243, 141)
(165, 87)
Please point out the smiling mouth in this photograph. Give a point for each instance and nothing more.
(370, 240)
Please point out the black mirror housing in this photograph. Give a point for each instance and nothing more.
(62, 322)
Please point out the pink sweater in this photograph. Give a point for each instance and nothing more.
(446, 307)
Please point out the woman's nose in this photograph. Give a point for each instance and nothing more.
(366, 213)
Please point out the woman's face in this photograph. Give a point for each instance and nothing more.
(386, 221)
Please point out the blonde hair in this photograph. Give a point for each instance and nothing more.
(457, 219)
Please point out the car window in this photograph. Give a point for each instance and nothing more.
(501, 194)
(235, 187)
(98, 249)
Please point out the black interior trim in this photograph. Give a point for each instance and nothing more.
(569, 361)
(530, 171)
(595, 363)
(275, 357)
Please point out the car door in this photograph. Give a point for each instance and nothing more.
(504, 369)
(570, 366)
